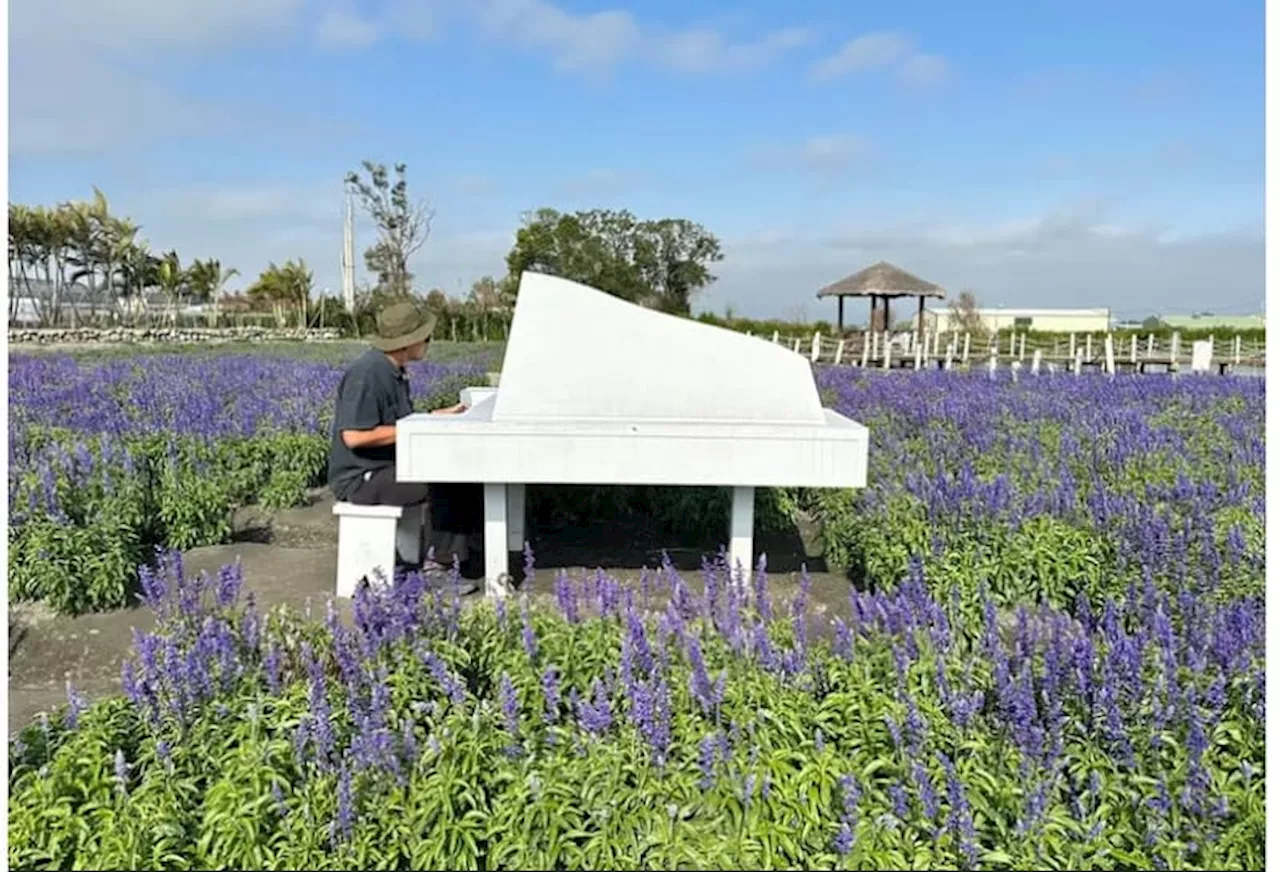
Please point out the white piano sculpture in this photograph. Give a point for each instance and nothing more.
(596, 390)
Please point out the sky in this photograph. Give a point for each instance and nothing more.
(1055, 154)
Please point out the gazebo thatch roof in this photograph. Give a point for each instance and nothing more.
(882, 279)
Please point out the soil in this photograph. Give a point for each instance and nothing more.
(290, 557)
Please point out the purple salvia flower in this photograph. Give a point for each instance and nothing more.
(707, 759)
(75, 707)
(898, 796)
(346, 814)
(551, 694)
(528, 564)
(510, 706)
(530, 640)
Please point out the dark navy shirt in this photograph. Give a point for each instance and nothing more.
(373, 392)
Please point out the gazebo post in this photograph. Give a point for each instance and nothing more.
(882, 281)
(840, 315)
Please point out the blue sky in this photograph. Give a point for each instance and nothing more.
(1038, 154)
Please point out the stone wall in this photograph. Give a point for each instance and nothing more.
(171, 335)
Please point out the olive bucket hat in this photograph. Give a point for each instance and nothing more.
(401, 325)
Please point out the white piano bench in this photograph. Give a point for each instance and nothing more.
(367, 539)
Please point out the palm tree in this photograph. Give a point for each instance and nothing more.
(283, 287)
(207, 281)
(172, 282)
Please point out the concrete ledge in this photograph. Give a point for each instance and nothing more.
(127, 335)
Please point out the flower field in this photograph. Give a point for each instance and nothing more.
(108, 460)
(1052, 656)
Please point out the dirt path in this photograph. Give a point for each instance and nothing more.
(290, 557)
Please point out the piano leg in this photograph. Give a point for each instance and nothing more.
(741, 528)
(495, 540)
(515, 517)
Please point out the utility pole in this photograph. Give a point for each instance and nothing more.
(349, 258)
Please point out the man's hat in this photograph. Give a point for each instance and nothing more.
(401, 325)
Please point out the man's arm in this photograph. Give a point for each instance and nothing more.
(375, 438)
(359, 417)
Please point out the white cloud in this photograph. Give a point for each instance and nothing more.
(882, 50)
(870, 51)
(831, 152)
(1072, 257)
(700, 50)
(340, 28)
(598, 181)
(924, 70)
(107, 87)
(133, 26)
(826, 154)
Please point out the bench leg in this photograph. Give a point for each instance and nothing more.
(515, 517)
(741, 524)
(495, 538)
(364, 546)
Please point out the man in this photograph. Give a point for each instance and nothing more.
(374, 394)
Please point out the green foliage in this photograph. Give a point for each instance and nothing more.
(403, 226)
(231, 789)
(661, 264)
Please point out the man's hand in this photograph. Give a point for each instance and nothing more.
(451, 410)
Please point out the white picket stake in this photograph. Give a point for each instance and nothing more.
(1109, 352)
(964, 358)
(817, 348)
(866, 348)
(1133, 348)
(1022, 346)
(1088, 347)
(1237, 350)
(1071, 349)
(1035, 361)
(839, 351)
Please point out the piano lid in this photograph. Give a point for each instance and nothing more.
(578, 353)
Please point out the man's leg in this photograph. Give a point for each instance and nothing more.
(380, 488)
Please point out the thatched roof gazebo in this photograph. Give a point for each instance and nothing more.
(882, 281)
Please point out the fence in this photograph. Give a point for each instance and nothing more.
(1073, 351)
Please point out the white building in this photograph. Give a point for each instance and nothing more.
(1043, 320)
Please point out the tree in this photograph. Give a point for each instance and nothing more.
(660, 264)
(437, 300)
(283, 288)
(403, 226)
(172, 282)
(965, 316)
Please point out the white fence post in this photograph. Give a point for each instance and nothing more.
(839, 351)
(817, 348)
